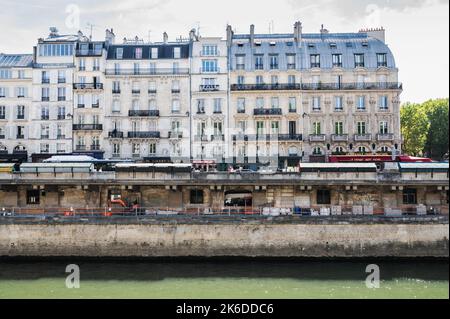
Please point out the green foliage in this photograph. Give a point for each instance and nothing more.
(415, 128)
(425, 128)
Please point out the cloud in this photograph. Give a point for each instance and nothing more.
(352, 8)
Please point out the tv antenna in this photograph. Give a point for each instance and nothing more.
(91, 27)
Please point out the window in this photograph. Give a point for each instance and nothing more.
(217, 106)
(218, 128)
(176, 52)
(116, 87)
(291, 80)
(136, 149)
(116, 150)
(45, 94)
(116, 106)
(384, 150)
(3, 92)
(154, 53)
(273, 61)
(209, 66)
(45, 131)
(316, 103)
(384, 127)
(61, 94)
(359, 60)
(61, 76)
(260, 102)
(275, 127)
(20, 112)
(259, 62)
(196, 197)
(274, 79)
(323, 197)
(138, 53)
(275, 103)
(259, 80)
(45, 113)
(337, 60)
(21, 92)
(317, 151)
(381, 59)
(5, 74)
(82, 65)
(152, 106)
(383, 102)
(45, 148)
(290, 59)
(2, 112)
(259, 127)
(56, 49)
(240, 62)
(361, 103)
(240, 80)
(292, 105)
(33, 197)
(338, 103)
(152, 149)
(361, 128)
(209, 50)
(176, 106)
(317, 128)
(242, 126)
(60, 148)
(152, 87)
(362, 150)
(339, 128)
(410, 196)
(315, 60)
(241, 105)
(119, 53)
(60, 132)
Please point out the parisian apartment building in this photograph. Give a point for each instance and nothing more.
(248, 98)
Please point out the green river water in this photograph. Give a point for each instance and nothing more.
(225, 279)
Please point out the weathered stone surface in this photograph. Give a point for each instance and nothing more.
(268, 240)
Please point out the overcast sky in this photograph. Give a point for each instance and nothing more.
(417, 30)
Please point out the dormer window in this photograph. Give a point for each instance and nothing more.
(138, 53)
(311, 45)
(272, 44)
(154, 53)
(359, 60)
(289, 44)
(333, 45)
(349, 45)
(258, 43)
(119, 53)
(365, 44)
(176, 52)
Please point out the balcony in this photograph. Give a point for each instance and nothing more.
(339, 137)
(266, 87)
(2, 136)
(363, 137)
(20, 116)
(317, 138)
(61, 117)
(176, 91)
(95, 105)
(290, 137)
(116, 91)
(135, 91)
(80, 106)
(20, 136)
(152, 91)
(61, 98)
(60, 137)
(45, 81)
(45, 99)
(95, 147)
(352, 86)
(61, 80)
(270, 112)
(143, 72)
(143, 113)
(385, 137)
(217, 138)
(209, 70)
(88, 86)
(153, 134)
(80, 147)
(45, 117)
(87, 127)
(209, 87)
(315, 65)
(115, 134)
(45, 136)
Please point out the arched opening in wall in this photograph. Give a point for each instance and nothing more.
(20, 149)
(384, 150)
(3, 149)
(238, 198)
(339, 151)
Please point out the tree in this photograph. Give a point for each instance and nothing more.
(415, 126)
(437, 144)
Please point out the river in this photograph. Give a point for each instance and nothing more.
(236, 279)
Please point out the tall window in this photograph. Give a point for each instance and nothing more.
(383, 102)
(241, 105)
(119, 53)
(273, 61)
(339, 128)
(209, 50)
(359, 60)
(152, 149)
(196, 196)
(317, 128)
(217, 105)
(381, 59)
(260, 127)
(259, 62)
(209, 66)
(260, 102)
(316, 103)
(323, 197)
(292, 105)
(315, 60)
(338, 103)
(410, 196)
(361, 128)
(361, 102)
(154, 53)
(337, 60)
(384, 127)
(176, 106)
(290, 59)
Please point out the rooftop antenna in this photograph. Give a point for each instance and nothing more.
(149, 36)
(91, 26)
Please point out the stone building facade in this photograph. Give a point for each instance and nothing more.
(246, 99)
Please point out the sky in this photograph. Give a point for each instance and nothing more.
(417, 31)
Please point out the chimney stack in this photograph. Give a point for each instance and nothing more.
(192, 36)
(229, 35)
(376, 33)
(252, 34)
(165, 37)
(109, 37)
(298, 31)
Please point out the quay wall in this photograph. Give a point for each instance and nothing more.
(212, 240)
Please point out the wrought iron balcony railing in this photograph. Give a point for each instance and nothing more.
(143, 113)
(274, 111)
(151, 134)
(87, 127)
